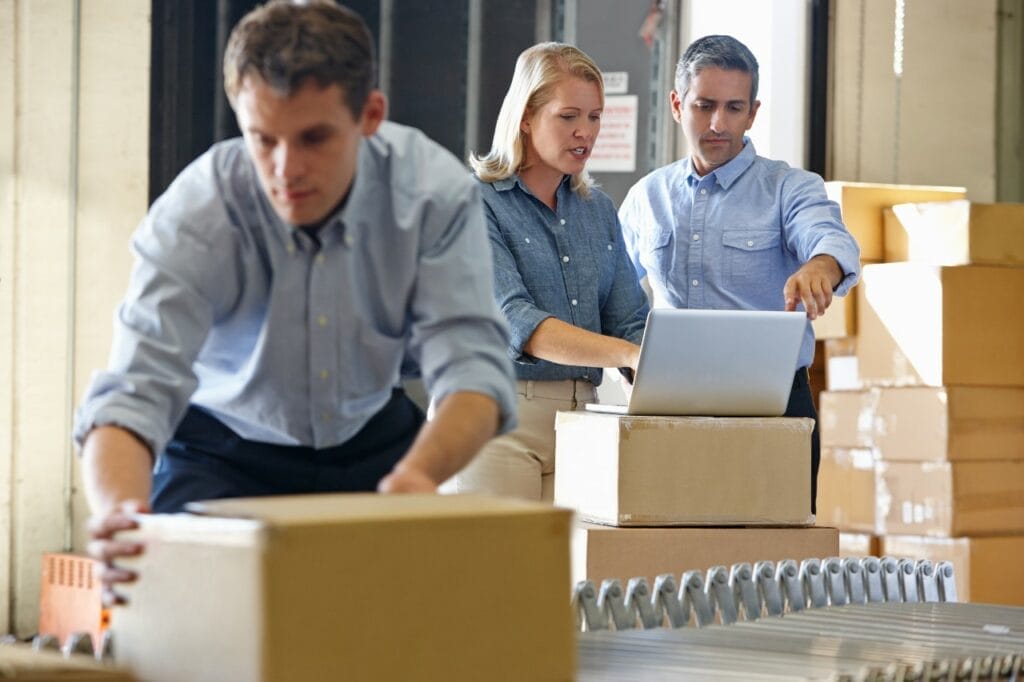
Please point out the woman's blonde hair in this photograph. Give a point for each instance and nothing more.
(538, 70)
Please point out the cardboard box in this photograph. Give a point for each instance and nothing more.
(21, 662)
(858, 545)
(71, 598)
(955, 233)
(678, 471)
(361, 587)
(845, 418)
(846, 489)
(602, 552)
(952, 423)
(950, 499)
(940, 326)
(841, 373)
(840, 320)
(862, 205)
(987, 570)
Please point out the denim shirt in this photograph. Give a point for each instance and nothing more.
(731, 239)
(295, 339)
(570, 264)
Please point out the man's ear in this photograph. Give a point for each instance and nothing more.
(676, 103)
(753, 113)
(374, 111)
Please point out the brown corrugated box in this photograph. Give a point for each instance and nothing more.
(949, 423)
(603, 552)
(858, 545)
(955, 233)
(674, 471)
(846, 489)
(862, 205)
(840, 320)
(844, 419)
(21, 662)
(950, 499)
(940, 326)
(987, 569)
(361, 587)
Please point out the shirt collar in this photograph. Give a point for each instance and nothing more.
(514, 180)
(727, 174)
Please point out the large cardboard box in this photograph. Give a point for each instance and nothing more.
(955, 233)
(360, 587)
(858, 545)
(21, 662)
(940, 326)
(840, 320)
(987, 569)
(950, 423)
(846, 489)
(844, 418)
(677, 471)
(950, 499)
(862, 205)
(603, 552)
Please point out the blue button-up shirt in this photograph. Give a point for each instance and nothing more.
(731, 239)
(295, 339)
(570, 264)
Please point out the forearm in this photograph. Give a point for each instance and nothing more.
(463, 422)
(557, 341)
(116, 466)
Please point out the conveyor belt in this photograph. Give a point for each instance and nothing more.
(881, 641)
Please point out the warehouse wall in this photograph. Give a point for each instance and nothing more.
(74, 83)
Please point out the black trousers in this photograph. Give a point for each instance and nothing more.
(801, 404)
(206, 460)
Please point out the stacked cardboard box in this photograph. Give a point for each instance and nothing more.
(668, 494)
(938, 399)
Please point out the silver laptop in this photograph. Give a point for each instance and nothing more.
(721, 363)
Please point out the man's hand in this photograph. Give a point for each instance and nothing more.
(813, 285)
(106, 548)
(405, 479)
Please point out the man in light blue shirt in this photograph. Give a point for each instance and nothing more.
(727, 229)
(279, 284)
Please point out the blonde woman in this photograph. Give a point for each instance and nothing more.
(561, 274)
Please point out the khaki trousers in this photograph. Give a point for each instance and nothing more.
(521, 463)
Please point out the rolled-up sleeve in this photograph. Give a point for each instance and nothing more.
(814, 226)
(458, 337)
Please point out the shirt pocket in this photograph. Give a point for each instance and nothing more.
(752, 257)
(659, 252)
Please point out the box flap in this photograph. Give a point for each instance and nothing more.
(297, 510)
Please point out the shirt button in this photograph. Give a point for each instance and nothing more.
(565, 259)
(320, 260)
(750, 242)
(562, 221)
(324, 374)
(324, 416)
(609, 247)
(695, 282)
(703, 190)
(290, 248)
(527, 240)
(349, 240)
(696, 237)
(575, 302)
(322, 320)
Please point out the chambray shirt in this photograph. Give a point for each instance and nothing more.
(294, 339)
(570, 264)
(731, 239)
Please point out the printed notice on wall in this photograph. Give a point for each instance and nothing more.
(615, 150)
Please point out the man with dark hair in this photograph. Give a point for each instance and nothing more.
(280, 282)
(725, 228)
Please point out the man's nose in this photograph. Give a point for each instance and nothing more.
(288, 162)
(717, 120)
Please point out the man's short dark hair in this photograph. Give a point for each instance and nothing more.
(723, 52)
(286, 42)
